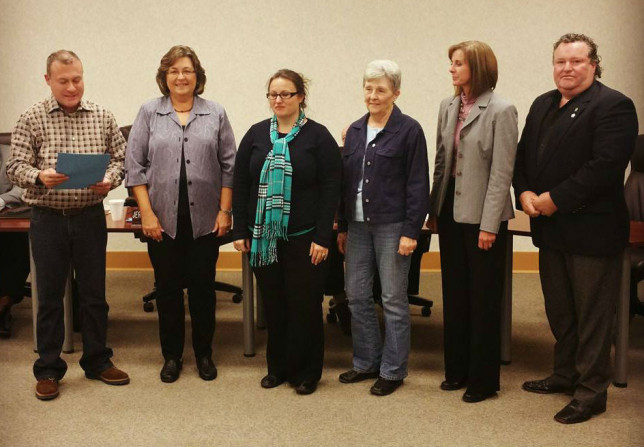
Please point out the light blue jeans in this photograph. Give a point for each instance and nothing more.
(370, 249)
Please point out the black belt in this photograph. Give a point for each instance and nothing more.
(67, 211)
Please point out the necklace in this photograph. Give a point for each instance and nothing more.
(183, 111)
(463, 112)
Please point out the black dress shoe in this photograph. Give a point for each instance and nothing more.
(546, 386)
(207, 369)
(449, 385)
(353, 376)
(307, 387)
(170, 371)
(473, 397)
(576, 411)
(271, 381)
(383, 387)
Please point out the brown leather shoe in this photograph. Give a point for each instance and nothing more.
(47, 389)
(111, 376)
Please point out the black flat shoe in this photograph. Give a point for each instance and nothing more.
(207, 369)
(307, 387)
(473, 397)
(353, 376)
(448, 385)
(576, 411)
(271, 381)
(170, 371)
(546, 386)
(384, 387)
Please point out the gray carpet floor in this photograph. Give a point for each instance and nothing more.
(234, 410)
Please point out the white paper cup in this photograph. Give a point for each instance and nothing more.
(117, 208)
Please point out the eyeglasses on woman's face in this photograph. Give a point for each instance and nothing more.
(272, 96)
(186, 72)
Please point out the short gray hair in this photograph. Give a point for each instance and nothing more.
(383, 67)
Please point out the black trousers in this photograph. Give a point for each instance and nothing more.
(334, 284)
(580, 294)
(472, 290)
(292, 290)
(178, 263)
(59, 243)
(14, 265)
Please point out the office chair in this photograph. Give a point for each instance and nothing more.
(634, 194)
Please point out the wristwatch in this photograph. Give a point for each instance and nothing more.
(229, 212)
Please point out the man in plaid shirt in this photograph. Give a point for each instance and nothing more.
(67, 225)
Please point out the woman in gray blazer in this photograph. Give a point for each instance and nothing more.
(470, 205)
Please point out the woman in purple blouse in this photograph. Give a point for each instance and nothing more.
(179, 164)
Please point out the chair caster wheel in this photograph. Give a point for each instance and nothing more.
(237, 298)
(148, 307)
(426, 311)
(331, 318)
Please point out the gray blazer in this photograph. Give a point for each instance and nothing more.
(10, 193)
(484, 164)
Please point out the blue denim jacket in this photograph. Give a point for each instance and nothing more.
(396, 174)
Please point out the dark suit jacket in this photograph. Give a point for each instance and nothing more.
(582, 166)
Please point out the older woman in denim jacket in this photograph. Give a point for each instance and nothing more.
(385, 190)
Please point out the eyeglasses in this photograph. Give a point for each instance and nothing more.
(186, 73)
(284, 95)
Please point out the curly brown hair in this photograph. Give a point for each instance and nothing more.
(176, 52)
(592, 49)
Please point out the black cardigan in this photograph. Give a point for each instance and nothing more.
(315, 192)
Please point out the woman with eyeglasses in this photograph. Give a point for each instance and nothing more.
(385, 189)
(470, 206)
(285, 192)
(179, 164)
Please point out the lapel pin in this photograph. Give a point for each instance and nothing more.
(573, 115)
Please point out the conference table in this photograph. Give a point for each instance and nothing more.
(519, 226)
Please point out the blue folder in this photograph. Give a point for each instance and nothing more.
(83, 170)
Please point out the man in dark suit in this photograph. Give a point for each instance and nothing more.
(569, 175)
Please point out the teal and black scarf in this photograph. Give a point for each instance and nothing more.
(274, 197)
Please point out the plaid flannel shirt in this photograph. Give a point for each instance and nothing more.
(44, 131)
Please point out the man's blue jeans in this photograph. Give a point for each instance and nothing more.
(370, 247)
(59, 243)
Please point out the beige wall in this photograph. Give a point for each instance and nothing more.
(241, 43)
